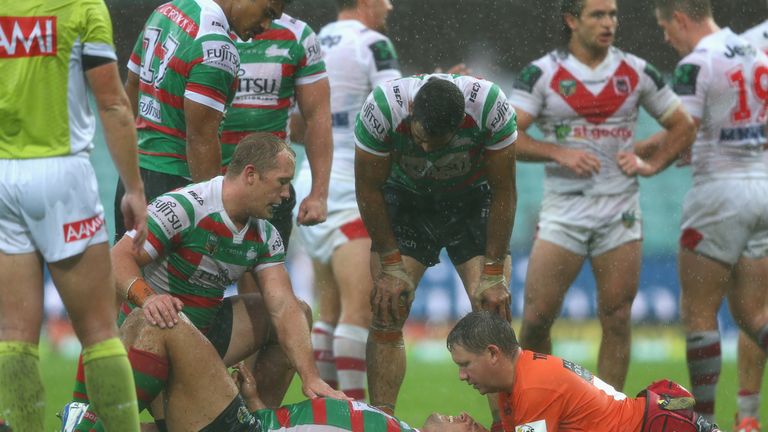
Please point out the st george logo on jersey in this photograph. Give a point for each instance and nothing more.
(621, 85)
(567, 88)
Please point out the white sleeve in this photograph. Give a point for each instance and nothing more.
(528, 92)
(690, 82)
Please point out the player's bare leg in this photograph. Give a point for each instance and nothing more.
(22, 401)
(551, 271)
(108, 375)
(197, 393)
(385, 350)
(328, 304)
(750, 370)
(748, 305)
(252, 332)
(470, 272)
(352, 274)
(617, 273)
(703, 283)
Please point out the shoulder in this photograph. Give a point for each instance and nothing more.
(296, 27)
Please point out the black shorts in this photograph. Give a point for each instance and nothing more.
(155, 184)
(220, 331)
(282, 218)
(235, 418)
(423, 224)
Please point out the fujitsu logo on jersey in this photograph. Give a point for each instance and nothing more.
(83, 229)
(257, 85)
(27, 36)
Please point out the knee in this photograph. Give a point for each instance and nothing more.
(616, 317)
(535, 323)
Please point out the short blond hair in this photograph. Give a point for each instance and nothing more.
(260, 150)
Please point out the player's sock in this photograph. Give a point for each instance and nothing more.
(150, 373)
(110, 385)
(22, 405)
(704, 364)
(80, 394)
(748, 404)
(349, 352)
(322, 343)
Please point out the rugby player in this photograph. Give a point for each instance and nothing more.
(53, 57)
(585, 98)
(358, 57)
(721, 80)
(434, 168)
(540, 392)
(202, 238)
(182, 75)
(202, 397)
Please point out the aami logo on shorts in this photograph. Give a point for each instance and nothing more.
(80, 230)
(27, 36)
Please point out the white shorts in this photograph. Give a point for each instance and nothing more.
(50, 205)
(590, 225)
(726, 219)
(343, 223)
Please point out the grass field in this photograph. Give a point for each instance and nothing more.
(432, 383)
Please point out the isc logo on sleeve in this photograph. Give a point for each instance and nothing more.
(537, 426)
(27, 36)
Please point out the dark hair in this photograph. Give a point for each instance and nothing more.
(573, 8)
(438, 107)
(477, 330)
(346, 4)
(697, 10)
(257, 149)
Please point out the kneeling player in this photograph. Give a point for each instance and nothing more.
(201, 396)
(540, 392)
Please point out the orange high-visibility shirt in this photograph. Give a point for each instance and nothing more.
(555, 395)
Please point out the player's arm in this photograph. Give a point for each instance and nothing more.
(132, 90)
(579, 161)
(203, 147)
(492, 292)
(120, 134)
(664, 147)
(371, 172)
(159, 309)
(314, 101)
(286, 316)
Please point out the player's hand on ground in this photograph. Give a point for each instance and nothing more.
(312, 211)
(162, 310)
(246, 384)
(632, 165)
(581, 162)
(134, 208)
(315, 388)
(391, 297)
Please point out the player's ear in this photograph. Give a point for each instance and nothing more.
(494, 352)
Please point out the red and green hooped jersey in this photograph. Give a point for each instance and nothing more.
(183, 52)
(198, 251)
(382, 128)
(272, 65)
(335, 415)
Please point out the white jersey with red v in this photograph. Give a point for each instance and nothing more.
(594, 109)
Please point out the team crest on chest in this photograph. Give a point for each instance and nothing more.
(211, 244)
(622, 85)
(567, 88)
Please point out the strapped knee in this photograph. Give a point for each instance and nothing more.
(669, 408)
(388, 334)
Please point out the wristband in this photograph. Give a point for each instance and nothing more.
(392, 257)
(139, 291)
(392, 265)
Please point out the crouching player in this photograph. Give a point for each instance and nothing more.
(201, 397)
(540, 392)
